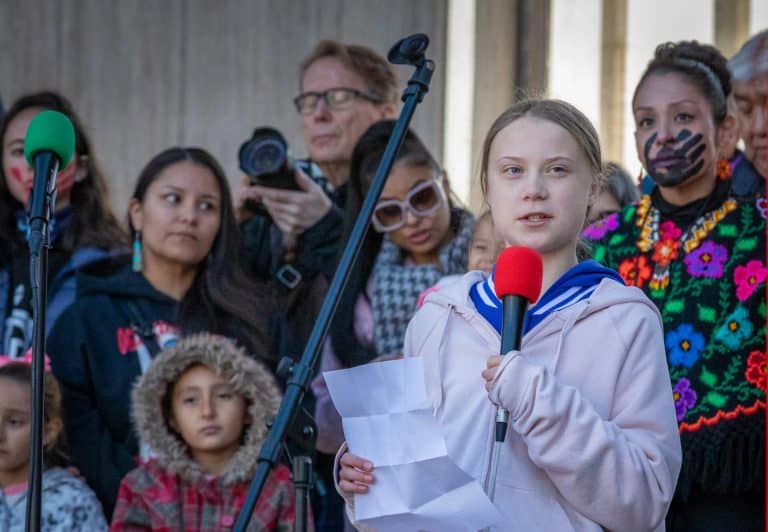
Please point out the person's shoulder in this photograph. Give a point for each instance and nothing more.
(739, 225)
(617, 228)
(623, 305)
(61, 481)
(149, 475)
(755, 206)
(431, 319)
(451, 297)
(746, 182)
(70, 502)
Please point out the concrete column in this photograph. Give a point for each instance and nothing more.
(612, 72)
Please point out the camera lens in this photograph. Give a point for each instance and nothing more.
(267, 156)
(265, 153)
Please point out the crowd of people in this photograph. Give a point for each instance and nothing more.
(637, 400)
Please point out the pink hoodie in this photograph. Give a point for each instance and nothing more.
(592, 442)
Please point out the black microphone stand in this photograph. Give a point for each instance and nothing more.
(42, 201)
(407, 51)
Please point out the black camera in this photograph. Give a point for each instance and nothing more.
(266, 159)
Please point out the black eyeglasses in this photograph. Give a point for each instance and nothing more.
(336, 98)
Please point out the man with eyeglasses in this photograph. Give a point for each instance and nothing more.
(343, 89)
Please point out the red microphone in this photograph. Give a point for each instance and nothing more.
(517, 282)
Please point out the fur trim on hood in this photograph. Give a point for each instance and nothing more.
(223, 357)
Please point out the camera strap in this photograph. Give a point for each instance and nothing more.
(287, 273)
(288, 276)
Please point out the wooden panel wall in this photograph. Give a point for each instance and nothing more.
(148, 74)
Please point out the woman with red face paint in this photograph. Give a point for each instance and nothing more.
(82, 229)
(699, 253)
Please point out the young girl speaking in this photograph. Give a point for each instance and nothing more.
(592, 441)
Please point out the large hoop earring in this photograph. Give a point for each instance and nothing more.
(137, 263)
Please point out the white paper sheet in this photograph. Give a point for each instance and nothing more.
(387, 419)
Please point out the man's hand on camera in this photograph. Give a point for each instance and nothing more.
(294, 211)
(245, 192)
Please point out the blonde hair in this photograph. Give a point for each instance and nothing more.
(558, 112)
(564, 115)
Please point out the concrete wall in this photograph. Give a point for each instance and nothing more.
(148, 74)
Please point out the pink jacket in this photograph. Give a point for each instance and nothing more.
(592, 442)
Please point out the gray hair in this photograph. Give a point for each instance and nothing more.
(619, 183)
(752, 59)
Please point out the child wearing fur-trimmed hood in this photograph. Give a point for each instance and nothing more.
(202, 408)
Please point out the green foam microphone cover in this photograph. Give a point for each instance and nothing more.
(50, 131)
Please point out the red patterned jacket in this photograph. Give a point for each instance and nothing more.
(172, 492)
(152, 498)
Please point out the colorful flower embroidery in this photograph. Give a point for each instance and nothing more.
(635, 271)
(762, 206)
(684, 345)
(662, 238)
(684, 396)
(665, 251)
(757, 370)
(748, 277)
(707, 260)
(736, 329)
(668, 230)
(718, 391)
(600, 228)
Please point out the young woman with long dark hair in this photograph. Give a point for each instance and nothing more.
(185, 277)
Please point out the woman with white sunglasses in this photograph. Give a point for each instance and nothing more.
(418, 235)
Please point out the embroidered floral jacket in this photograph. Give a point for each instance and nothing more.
(708, 280)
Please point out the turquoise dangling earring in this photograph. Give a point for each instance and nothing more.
(137, 263)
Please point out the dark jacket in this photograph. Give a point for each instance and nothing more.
(97, 354)
(61, 289)
(315, 261)
(316, 248)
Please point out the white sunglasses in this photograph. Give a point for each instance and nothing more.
(422, 200)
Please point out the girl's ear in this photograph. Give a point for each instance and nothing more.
(135, 214)
(52, 430)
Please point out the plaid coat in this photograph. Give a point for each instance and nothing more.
(171, 492)
(152, 498)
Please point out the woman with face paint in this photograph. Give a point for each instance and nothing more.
(699, 254)
(82, 229)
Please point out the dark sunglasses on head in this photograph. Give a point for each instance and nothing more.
(336, 98)
(422, 200)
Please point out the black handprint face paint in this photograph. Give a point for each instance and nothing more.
(677, 162)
